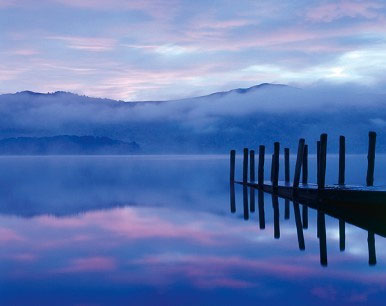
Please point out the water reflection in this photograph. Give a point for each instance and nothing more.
(301, 222)
(157, 230)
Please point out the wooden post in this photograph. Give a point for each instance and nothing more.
(261, 165)
(299, 228)
(342, 160)
(298, 165)
(261, 209)
(232, 167)
(272, 166)
(276, 217)
(318, 162)
(323, 161)
(287, 164)
(371, 159)
(276, 156)
(252, 166)
(342, 235)
(245, 166)
(371, 246)
(305, 165)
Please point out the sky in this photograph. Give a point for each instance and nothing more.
(171, 49)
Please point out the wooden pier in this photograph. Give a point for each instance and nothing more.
(354, 197)
(361, 206)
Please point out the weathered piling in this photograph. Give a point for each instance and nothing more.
(318, 162)
(232, 165)
(252, 179)
(305, 216)
(233, 198)
(260, 197)
(261, 165)
(276, 156)
(342, 235)
(322, 161)
(299, 228)
(371, 246)
(322, 239)
(272, 166)
(305, 165)
(287, 165)
(298, 165)
(252, 165)
(245, 202)
(276, 217)
(371, 159)
(342, 160)
(245, 166)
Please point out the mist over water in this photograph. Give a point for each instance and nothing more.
(208, 124)
(102, 229)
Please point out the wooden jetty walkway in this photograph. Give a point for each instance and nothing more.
(374, 197)
(361, 206)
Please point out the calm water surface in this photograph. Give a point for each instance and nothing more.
(158, 230)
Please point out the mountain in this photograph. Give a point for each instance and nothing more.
(65, 145)
(215, 123)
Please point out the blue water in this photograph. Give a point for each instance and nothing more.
(158, 230)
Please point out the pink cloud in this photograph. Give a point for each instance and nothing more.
(89, 264)
(25, 257)
(8, 235)
(93, 44)
(325, 293)
(332, 11)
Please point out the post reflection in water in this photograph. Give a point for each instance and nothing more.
(276, 221)
(233, 197)
(299, 227)
(245, 202)
(252, 199)
(287, 209)
(371, 246)
(322, 238)
(301, 222)
(305, 216)
(342, 235)
(261, 209)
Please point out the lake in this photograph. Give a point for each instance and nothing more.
(158, 230)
